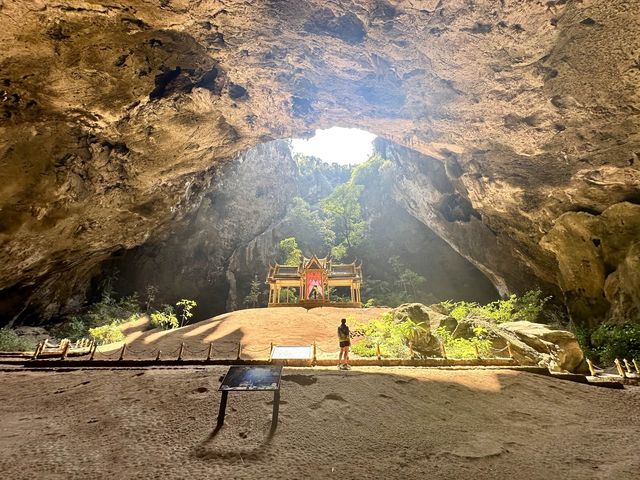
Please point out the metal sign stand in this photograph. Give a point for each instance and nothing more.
(258, 378)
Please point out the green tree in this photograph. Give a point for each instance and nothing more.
(290, 251)
(253, 297)
(312, 232)
(343, 209)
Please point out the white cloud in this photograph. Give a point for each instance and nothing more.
(346, 146)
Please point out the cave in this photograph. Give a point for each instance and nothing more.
(147, 154)
(515, 148)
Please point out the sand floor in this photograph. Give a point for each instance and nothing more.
(366, 423)
(255, 328)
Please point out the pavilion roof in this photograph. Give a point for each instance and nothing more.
(334, 270)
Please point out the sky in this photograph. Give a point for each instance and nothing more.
(346, 146)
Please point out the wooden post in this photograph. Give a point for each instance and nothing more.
(378, 351)
(635, 364)
(314, 353)
(158, 355)
(627, 365)
(36, 351)
(411, 350)
(477, 351)
(509, 350)
(620, 369)
(124, 348)
(270, 350)
(94, 347)
(210, 351)
(181, 351)
(65, 350)
(443, 350)
(591, 369)
(239, 350)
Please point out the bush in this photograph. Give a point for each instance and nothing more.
(465, 348)
(109, 333)
(107, 311)
(372, 302)
(529, 307)
(608, 342)
(10, 341)
(393, 338)
(73, 329)
(166, 319)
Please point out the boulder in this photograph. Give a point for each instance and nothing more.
(561, 345)
(417, 312)
(424, 341)
(531, 343)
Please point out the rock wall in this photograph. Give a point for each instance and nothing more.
(192, 259)
(113, 115)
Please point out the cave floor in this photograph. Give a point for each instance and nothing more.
(364, 423)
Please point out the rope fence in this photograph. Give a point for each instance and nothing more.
(47, 349)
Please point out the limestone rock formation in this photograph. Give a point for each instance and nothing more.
(557, 348)
(113, 116)
(191, 259)
(531, 343)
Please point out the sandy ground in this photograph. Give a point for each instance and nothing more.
(367, 423)
(255, 328)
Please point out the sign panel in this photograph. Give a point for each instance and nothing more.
(291, 352)
(250, 377)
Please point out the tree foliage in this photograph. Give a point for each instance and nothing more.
(312, 232)
(290, 251)
(343, 210)
(528, 307)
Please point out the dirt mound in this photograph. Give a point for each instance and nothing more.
(256, 329)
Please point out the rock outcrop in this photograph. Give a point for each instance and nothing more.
(113, 117)
(531, 343)
(191, 260)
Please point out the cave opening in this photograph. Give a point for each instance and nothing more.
(339, 145)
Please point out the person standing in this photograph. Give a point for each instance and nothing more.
(344, 336)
